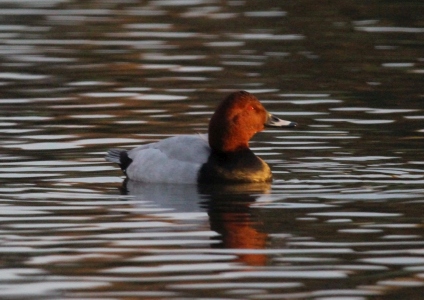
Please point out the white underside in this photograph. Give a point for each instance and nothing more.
(173, 160)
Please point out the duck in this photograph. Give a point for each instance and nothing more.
(221, 156)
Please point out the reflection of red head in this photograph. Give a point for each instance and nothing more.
(238, 232)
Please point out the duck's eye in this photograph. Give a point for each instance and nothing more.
(250, 107)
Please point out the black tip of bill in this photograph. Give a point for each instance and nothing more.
(273, 121)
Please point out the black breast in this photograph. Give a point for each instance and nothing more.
(235, 167)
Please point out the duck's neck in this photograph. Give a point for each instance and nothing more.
(229, 148)
(223, 140)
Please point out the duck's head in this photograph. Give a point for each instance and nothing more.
(237, 119)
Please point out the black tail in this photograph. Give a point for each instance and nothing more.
(120, 157)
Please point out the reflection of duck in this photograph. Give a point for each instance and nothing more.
(175, 197)
(230, 215)
(228, 208)
(189, 158)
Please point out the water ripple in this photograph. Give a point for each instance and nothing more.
(342, 218)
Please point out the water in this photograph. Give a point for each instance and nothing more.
(343, 218)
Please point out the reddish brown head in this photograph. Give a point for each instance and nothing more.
(237, 119)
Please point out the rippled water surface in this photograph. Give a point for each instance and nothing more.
(343, 218)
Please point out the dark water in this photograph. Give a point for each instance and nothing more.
(343, 219)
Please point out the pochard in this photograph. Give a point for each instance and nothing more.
(222, 156)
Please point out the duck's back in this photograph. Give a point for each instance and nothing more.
(173, 160)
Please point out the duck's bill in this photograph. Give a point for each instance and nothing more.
(273, 121)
